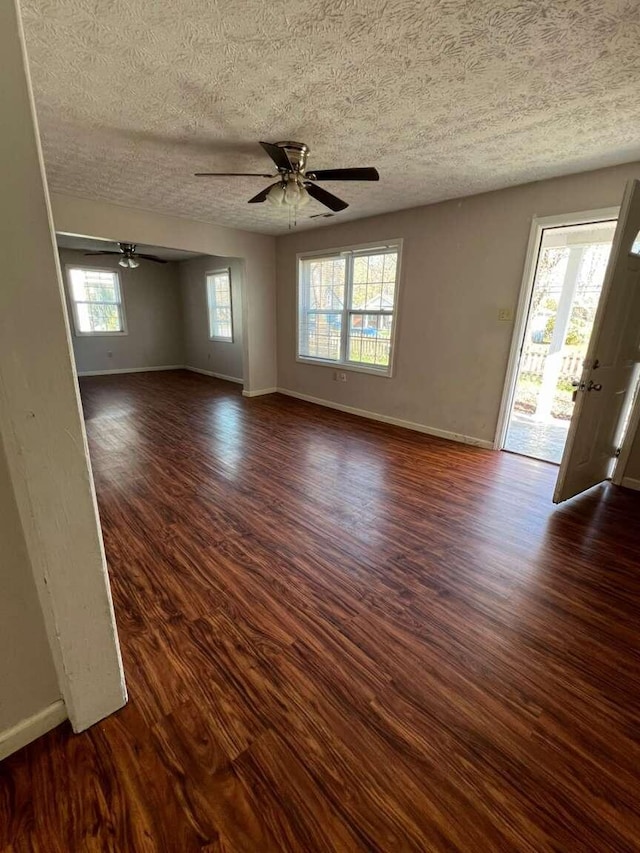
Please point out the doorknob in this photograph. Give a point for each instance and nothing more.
(593, 386)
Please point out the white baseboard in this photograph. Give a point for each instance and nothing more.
(387, 419)
(130, 370)
(352, 410)
(630, 483)
(28, 730)
(215, 375)
(260, 392)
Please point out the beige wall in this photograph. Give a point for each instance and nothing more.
(28, 680)
(462, 261)
(221, 357)
(102, 219)
(153, 310)
(43, 438)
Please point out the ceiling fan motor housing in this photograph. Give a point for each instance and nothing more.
(297, 152)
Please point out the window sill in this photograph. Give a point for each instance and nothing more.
(221, 340)
(100, 334)
(384, 372)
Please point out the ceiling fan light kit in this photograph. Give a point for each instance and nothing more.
(295, 184)
(289, 193)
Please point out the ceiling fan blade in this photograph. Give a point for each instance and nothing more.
(150, 258)
(103, 253)
(278, 155)
(364, 173)
(328, 199)
(231, 175)
(262, 195)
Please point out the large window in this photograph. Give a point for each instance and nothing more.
(346, 307)
(219, 305)
(96, 300)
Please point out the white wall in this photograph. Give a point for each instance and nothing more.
(221, 357)
(153, 310)
(28, 681)
(101, 219)
(43, 435)
(462, 261)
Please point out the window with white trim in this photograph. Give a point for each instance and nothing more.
(96, 299)
(219, 306)
(346, 307)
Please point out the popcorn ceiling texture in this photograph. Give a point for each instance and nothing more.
(445, 97)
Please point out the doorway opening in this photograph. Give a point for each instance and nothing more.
(566, 276)
(169, 309)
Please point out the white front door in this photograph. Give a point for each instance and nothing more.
(610, 369)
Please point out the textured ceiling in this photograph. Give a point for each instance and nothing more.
(445, 97)
(91, 244)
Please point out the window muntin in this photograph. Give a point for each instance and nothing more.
(220, 306)
(346, 307)
(96, 299)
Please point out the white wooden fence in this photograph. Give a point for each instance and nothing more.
(534, 357)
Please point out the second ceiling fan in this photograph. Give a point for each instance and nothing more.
(295, 182)
(128, 255)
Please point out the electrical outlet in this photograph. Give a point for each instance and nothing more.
(340, 376)
(505, 314)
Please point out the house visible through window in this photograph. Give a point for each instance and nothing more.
(96, 300)
(219, 304)
(346, 307)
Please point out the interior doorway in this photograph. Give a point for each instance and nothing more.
(565, 277)
(140, 308)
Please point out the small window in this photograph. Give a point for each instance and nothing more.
(346, 308)
(96, 299)
(219, 304)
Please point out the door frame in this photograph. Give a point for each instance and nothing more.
(618, 474)
(538, 225)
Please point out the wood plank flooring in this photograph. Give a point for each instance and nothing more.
(342, 636)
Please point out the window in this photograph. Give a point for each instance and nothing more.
(96, 300)
(346, 307)
(219, 303)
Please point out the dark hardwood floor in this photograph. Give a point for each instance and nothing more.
(340, 635)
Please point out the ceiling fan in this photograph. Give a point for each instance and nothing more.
(295, 183)
(129, 256)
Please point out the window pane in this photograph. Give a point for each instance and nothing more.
(390, 267)
(98, 318)
(223, 330)
(326, 280)
(222, 315)
(374, 279)
(370, 339)
(320, 335)
(94, 286)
